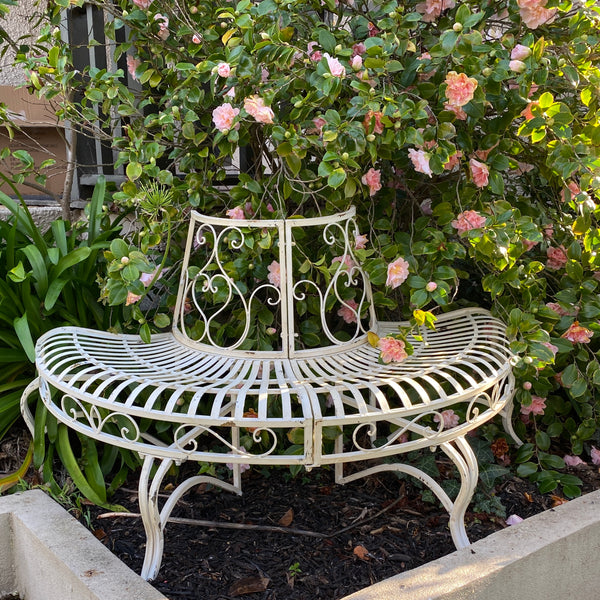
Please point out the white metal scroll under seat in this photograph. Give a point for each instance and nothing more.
(224, 388)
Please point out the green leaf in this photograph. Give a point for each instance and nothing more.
(21, 326)
(526, 469)
(162, 320)
(336, 178)
(326, 40)
(134, 170)
(145, 333)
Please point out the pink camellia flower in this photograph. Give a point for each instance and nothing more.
(358, 49)
(467, 220)
(573, 461)
(163, 26)
(372, 179)
(517, 66)
(132, 65)
(537, 406)
(255, 107)
(397, 273)
(527, 112)
(348, 311)
(551, 347)
(448, 417)
(236, 213)
(335, 66)
(557, 258)
(360, 241)
(459, 113)
(316, 56)
(424, 56)
(574, 190)
(143, 4)
(563, 312)
(420, 161)
(520, 52)
(595, 455)
(196, 39)
(243, 467)
(529, 244)
(146, 278)
(459, 88)
(274, 275)
(345, 260)
(319, 122)
(432, 9)
(373, 119)
(224, 116)
(131, 298)
(479, 173)
(534, 14)
(431, 286)
(230, 93)
(578, 334)
(453, 161)
(514, 520)
(224, 69)
(392, 350)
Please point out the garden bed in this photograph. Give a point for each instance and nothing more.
(371, 530)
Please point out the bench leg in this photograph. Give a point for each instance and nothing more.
(155, 518)
(148, 501)
(462, 455)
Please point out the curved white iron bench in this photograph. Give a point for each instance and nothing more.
(216, 399)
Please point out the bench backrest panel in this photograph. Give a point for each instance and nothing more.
(280, 287)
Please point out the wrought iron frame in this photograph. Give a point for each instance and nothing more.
(106, 386)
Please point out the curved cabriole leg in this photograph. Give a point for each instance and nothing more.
(155, 519)
(148, 501)
(462, 455)
(466, 463)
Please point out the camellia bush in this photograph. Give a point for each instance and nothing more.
(466, 134)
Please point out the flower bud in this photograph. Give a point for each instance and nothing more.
(517, 66)
(431, 286)
(457, 27)
(270, 331)
(125, 260)
(527, 385)
(370, 138)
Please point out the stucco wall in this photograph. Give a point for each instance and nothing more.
(18, 24)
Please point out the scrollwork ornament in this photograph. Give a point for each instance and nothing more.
(92, 418)
(185, 440)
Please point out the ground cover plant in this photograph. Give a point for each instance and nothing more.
(465, 133)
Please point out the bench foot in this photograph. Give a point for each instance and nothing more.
(462, 455)
(154, 518)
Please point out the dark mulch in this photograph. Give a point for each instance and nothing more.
(370, 529)
(375, 528)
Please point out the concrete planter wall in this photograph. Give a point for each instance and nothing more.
(46, 554)
(546, 557)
